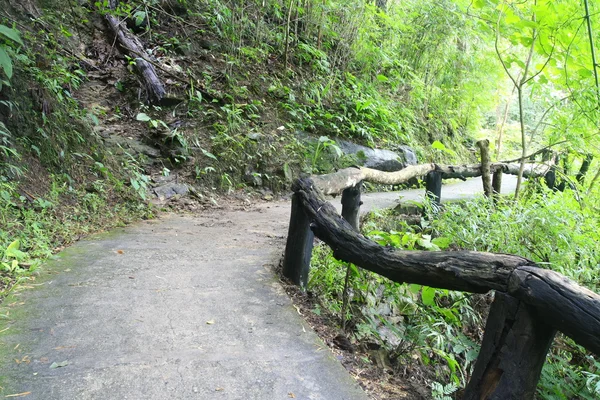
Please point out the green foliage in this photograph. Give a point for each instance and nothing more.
(9, 37)
(548, 227)
(442, 392)
(406, 320)
(552, 229)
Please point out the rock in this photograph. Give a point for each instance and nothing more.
(169, 190)
(383, 160)
(253, 179)
(132, 145)
(410, 158)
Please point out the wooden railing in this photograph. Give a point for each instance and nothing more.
(530, 304)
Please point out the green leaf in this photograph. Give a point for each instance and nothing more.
(209, 155)
(11, 34)
(442, 242)
(427, 295)
(382, 78)
(585, 73)
(143, 117)
(479, 3)
(12, 251)
(139, 17)
(438, 145)
(413, 287)
(6, 63)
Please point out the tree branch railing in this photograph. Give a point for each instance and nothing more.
(530, 306)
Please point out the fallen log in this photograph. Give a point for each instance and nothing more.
(564, 304)
(134, 48)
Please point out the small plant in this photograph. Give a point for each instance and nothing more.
(323, 144)
(9, 36)
(442, 392)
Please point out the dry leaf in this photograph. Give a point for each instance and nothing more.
(291, 395)
(60, 364)
(18, 394)
(120, 252)
(219, 389)
(210, 322)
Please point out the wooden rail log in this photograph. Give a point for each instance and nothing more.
(336, 182)
(572, 309)
(564, 305)
(458, 270)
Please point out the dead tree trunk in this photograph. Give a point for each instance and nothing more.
(351, 205)
(512, 354)
(133, 46)
(497, 182)
(433, 188)
(484, 148)
(298, 249)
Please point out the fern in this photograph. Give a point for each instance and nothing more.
(441, 392)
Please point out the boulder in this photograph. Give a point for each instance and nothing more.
(383, 160)
(169, 190)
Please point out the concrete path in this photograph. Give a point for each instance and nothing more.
(175, 308)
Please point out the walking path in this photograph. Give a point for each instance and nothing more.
(183, 307)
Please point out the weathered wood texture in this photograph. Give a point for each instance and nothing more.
(497, 182)
(565, 305)
(133, 46)
(433, 187)
(298, 249)
(512, 354)
(458, 270)
(336, 182)
(351, 205)
(572, 309)
(486, 175)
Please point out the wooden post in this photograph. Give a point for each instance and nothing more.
(298, 249)
(585, 166)
(484, 148)
(512, 354)
(497, 181)
(351, 205)
(433, 187)
(550, 178)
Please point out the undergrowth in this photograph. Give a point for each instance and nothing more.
(442, 330)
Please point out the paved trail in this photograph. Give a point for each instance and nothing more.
(177, 308)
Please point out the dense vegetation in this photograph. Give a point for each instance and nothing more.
(259, 92)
